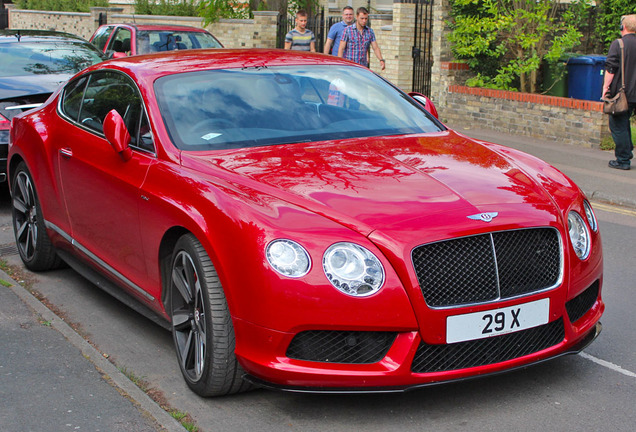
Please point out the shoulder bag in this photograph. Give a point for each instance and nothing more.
(618, 104)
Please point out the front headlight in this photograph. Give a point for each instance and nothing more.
(352, 269)
(288, 258)
(579, 235)
(591, 217)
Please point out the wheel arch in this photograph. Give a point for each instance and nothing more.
(166, 247)
(15, 160)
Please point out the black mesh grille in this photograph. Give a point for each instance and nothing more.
(340, 346)
(438, 358)
(488, 267)
(579, 305)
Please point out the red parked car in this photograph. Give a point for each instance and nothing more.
(300, 223)
(120, 40)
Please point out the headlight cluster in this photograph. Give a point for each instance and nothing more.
(579, 232)
(288, 258)
(351, 268)
(591, 217)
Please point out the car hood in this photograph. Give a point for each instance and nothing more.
(27, 85)
(395, 184)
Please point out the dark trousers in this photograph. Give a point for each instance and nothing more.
(622, 134)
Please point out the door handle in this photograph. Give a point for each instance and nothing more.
(66, 153)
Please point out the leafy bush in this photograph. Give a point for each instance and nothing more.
(505, 41)
(167, 7)
(60, 5)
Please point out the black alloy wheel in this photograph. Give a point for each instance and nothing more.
(34, 245)
(201, 323)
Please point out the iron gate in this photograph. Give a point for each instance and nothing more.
(4, 18)
(315, 23)
(421, 52)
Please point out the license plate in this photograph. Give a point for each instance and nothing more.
(495, 322)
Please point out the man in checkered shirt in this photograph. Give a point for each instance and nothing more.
(356, 40)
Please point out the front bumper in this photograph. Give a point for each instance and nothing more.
(336, 361)
(574, 349)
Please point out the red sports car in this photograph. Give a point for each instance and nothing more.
(300, 223)
(121, 40)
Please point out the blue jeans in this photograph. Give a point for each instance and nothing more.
(622, 135)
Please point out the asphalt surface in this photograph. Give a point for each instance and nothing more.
(52, 379)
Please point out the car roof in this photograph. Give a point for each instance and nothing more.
(15, 35)
(172, 62)
(160, 27)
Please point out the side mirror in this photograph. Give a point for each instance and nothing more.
(425, 102)
(117, 54)
(117, 134)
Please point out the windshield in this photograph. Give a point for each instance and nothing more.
(234, 108)
(43, 57)
(161, 40)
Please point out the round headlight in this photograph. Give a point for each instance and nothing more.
(591, 217)
(288, 258)
(579, 235)
(352, 269)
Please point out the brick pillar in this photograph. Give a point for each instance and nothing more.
(265, 28)
(399, 62)
(95, 13)
(441, 78)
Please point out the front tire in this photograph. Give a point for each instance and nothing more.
(201, 323)
(34, 245)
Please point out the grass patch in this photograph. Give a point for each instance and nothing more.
(607, 143)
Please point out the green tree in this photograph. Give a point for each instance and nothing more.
(513, 37)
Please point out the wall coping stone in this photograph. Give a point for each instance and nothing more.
(29, 11)
(564, 102)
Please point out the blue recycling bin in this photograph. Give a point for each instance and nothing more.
(585, 77)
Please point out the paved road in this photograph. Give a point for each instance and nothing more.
(594, 391)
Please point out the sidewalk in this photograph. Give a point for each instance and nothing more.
(587, 167)
(51, 379)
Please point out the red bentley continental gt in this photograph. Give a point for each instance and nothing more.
(300, 223)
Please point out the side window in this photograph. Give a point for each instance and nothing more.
(73, 93)
(144, 134)
(107, 91)
(121, 41)
(101, 37)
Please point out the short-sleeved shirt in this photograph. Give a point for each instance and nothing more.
(335, 33)
(357, 43)
(300, 41)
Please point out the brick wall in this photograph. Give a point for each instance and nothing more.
(566, 120)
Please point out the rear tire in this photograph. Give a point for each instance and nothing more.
(201, 323)
(33, 243)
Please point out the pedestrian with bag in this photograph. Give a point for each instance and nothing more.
(620, 76)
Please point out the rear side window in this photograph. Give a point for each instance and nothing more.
(73, 96)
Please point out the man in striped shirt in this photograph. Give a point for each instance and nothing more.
(356, 40)
(299, 38)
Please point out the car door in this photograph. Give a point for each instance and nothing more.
(121, 43)
(102, 190)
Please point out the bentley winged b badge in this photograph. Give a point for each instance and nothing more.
(486, 217)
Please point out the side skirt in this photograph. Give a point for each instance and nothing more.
(112, 289)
